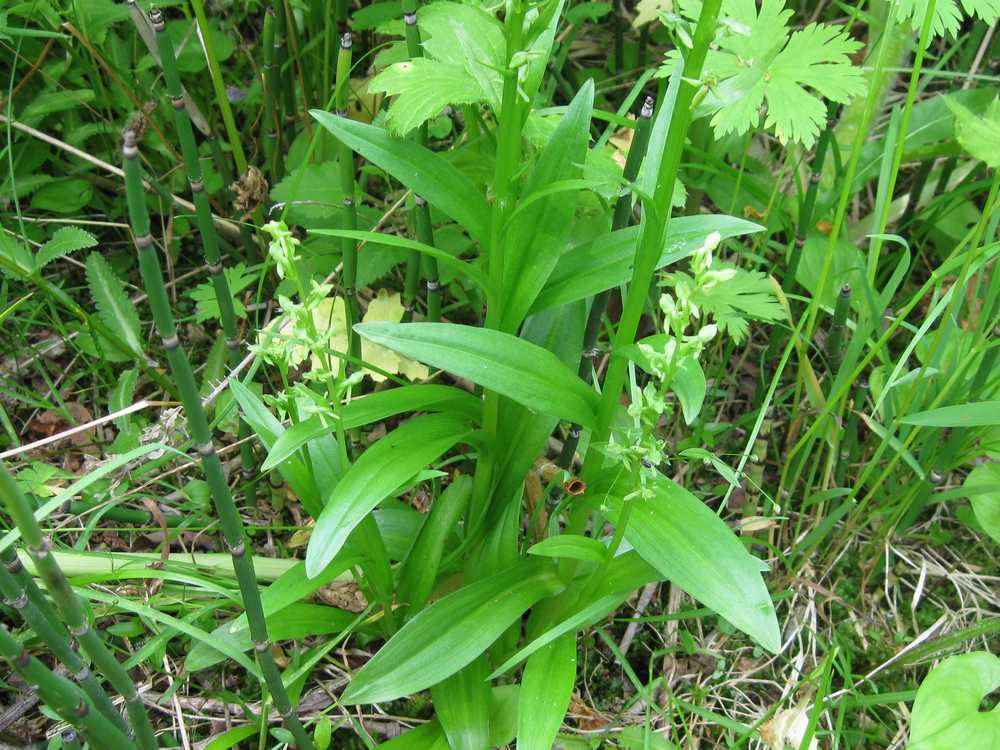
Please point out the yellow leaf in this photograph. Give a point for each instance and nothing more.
(387, 307)
(330, 319)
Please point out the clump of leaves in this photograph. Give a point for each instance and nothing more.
(760, 66)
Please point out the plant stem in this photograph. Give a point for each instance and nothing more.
(652, 237)
(180, 366)
(622, 218)
(23, 595)
(71, 607)
(345, 157)
(65, 698)
(203, 218)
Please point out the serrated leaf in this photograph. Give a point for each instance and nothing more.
(469, 37)
(65, 240)
(760, 62)
(113, 306)
(206, 301)
(748, 295)
(947, 14)
(452, 632)
(423, 88)
(979, 135)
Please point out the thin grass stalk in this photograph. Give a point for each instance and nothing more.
(345, 157)
(46, 625)
(232, 134)
(203, 218)
(70, 606)
(652, 236)
(229, 517)
(621, 219)
(60, 694)
(421, 212)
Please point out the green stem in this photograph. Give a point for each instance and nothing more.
(180, 366)
(652, 238)
(622, 218)
(345, 156)
(65, 698)
(21, 593)
(71, 607)
(206, 228)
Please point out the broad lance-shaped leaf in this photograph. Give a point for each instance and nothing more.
(452, 632)
(975, 414)
(113, 305)
(688, 544)
(462, 704)
(606, 262)
(513, 367)
(373, 477)
(428, 174)
(538, 235)
(546, 688)
(946, 713)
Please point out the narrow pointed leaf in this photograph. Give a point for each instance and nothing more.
(513, 367)
(680, 536)
(372, 478)
(462, 704)
(426, 173)
(451, 633)
(981, 414)
(546, 688)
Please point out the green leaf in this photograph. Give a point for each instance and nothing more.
(66, 196)
(311, 192)
(423, 88)
(466, 36)
(268, 430)
(947, 14)
(759, 65)
(372, 478)
(983, 490)
(281, 598)
(420, 568)
(323, 733)
(975, 414)
(207, 301)
(113, 306)
(546, 688)
(232, 737)
(538, 236)
(606, 262)
(462, 704)
(423, 171)
(946, 711)
(572, 547)
(749, 295)
(122, 395)
(681, 537)
(65, 240)
(48, 102)
(980, 136)
(429, 736)
(450, 633)
(689, 379)
(512, 367)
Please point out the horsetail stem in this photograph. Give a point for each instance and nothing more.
(621, 219)
(23, 596)
(65, 698)
(71, 607)
(415, 263)
(273, 151)
(180, 366)
(836, 337)
(203, 217)
(345, 157)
